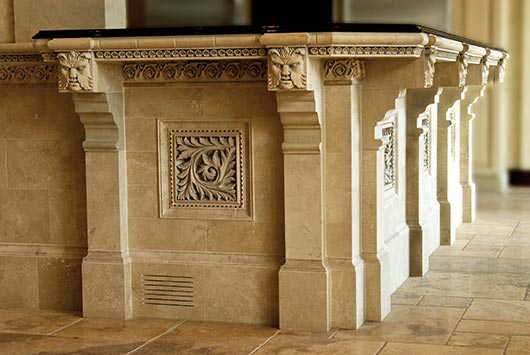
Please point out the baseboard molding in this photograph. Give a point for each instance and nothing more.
(519, 177)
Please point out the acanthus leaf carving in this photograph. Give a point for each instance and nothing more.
(287, 68)
(28, 73)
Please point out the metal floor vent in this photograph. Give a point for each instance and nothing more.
(166, 290)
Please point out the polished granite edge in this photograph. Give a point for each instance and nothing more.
(236, 30)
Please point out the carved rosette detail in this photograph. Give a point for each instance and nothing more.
(375, 51)
(462, 69)
(204, 168)
(135, 55)
(195, 71)
(429, 68)
(76, 71)
(345, 69)
(390, 156)
(287, 68)
(31, 73)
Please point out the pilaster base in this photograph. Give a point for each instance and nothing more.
(468, 203)
(347, 293)
(424, 239)
(377, 272)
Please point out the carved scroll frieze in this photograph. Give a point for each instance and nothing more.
(462, 69)
(344, 69)
(28, 73)
(205, 167)
(429, 62)
(363, 51)
(195, 71)
(76, 71)
(197, 53)
(287, 68)
(17, 58)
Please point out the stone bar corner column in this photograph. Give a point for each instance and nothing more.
(304, 279)
(342, 92)
(98, 98)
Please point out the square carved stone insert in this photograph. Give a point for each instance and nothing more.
(204, 169)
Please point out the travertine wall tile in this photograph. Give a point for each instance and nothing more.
(143, 201)
(3, 164)
(142, 168)
(19, 282)
(141, 135)
(242, 294)
(23, 112)
(238, 101)
(59, 284)
(68, 217)
(164, 102)
(167, 234)
(25, 216)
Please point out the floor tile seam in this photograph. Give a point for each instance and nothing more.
(458, 322)
(66, 326)
(479, 272)
(262, 345)
(514, 228)
(469, 241)
(507, 344)
(497, 320)
(438, 344)
(381, 348)
(156, 337)
(526, 291)
(25, 333)
(498, 256)
(334, 333)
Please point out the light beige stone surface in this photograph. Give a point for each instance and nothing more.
(522, 229)
(59, 284)
(34, 322)
(499, 310)
(478, 340)
(493, 327)
(420, 349)
(7, 31)
(441, 301)
(515, 252)
(518, 345)
(3, 163)
(19, 282)
(165, 234)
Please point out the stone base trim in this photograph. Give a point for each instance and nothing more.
(42, 250)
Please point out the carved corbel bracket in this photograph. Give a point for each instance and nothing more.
(76, 71)
(351, 70)
(287, 68)
(485, 69)
(501, 70)
(462, 69)
(428, 65)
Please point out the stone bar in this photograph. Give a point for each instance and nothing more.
(262, 175)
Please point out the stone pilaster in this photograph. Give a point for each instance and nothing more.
(342, 97)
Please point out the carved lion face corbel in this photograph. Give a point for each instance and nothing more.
(76, 72)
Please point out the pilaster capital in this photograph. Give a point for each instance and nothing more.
(352, 70)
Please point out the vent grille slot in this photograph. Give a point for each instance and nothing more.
(166, 290)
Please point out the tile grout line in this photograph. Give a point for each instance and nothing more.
(526, 291)
(334, 333)
(66, 326)
(513, 229)
(500, 252)
(469, 241)
(459, 320)
(382, 348)
(155, 338)
(507, 344)
(265, 342)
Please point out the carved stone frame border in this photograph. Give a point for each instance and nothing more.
(242, 209)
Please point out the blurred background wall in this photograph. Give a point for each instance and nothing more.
(502, 131)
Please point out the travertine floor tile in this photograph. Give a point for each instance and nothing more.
(518, 345)
(506, 286)
(519, 252)
(209, 338)
(404, 298)
(487, 251)
(293, 344)
(493, 327)
(409, 324)
(522, 228)
(133, 330)
(494, 229)
(25, 344)
(445, 301)
(34, 322)
(479, 265)
(499, 310)
(423, 349)
(498, 240)
(478, 340)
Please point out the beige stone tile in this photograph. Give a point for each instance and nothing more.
(522, 216)
(167, 234)
(478, 340)
(246, 237)
(143, 201)
(499, 310)
(142, 168)
(164, 102)
(134, 330)
(141, 135)
(462, 236)
(68, 218)
(287, 343)
(456, 284)
(25, 216)
(252, 295)
(518, 252)
(405, 298)
(409, 323)
(479, 265)
(469, 251)
(493, 327)
(23, 112)
(497, 240)
(211, 338)
(60, 284)
(444, 301)
(522, 229)
(239, 101)
(3, 164)
(19, 282)
(37, 344)
(34, 322)
(43, 163)
(518, 345)
(422, 349)
(492, 229)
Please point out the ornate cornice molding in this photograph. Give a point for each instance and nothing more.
(287, 68)
(195, 71)
(367, 51)
(344, 69)
(28, 73)
(18, 58)
(168, 54)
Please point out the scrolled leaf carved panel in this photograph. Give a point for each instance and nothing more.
(204, 169)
